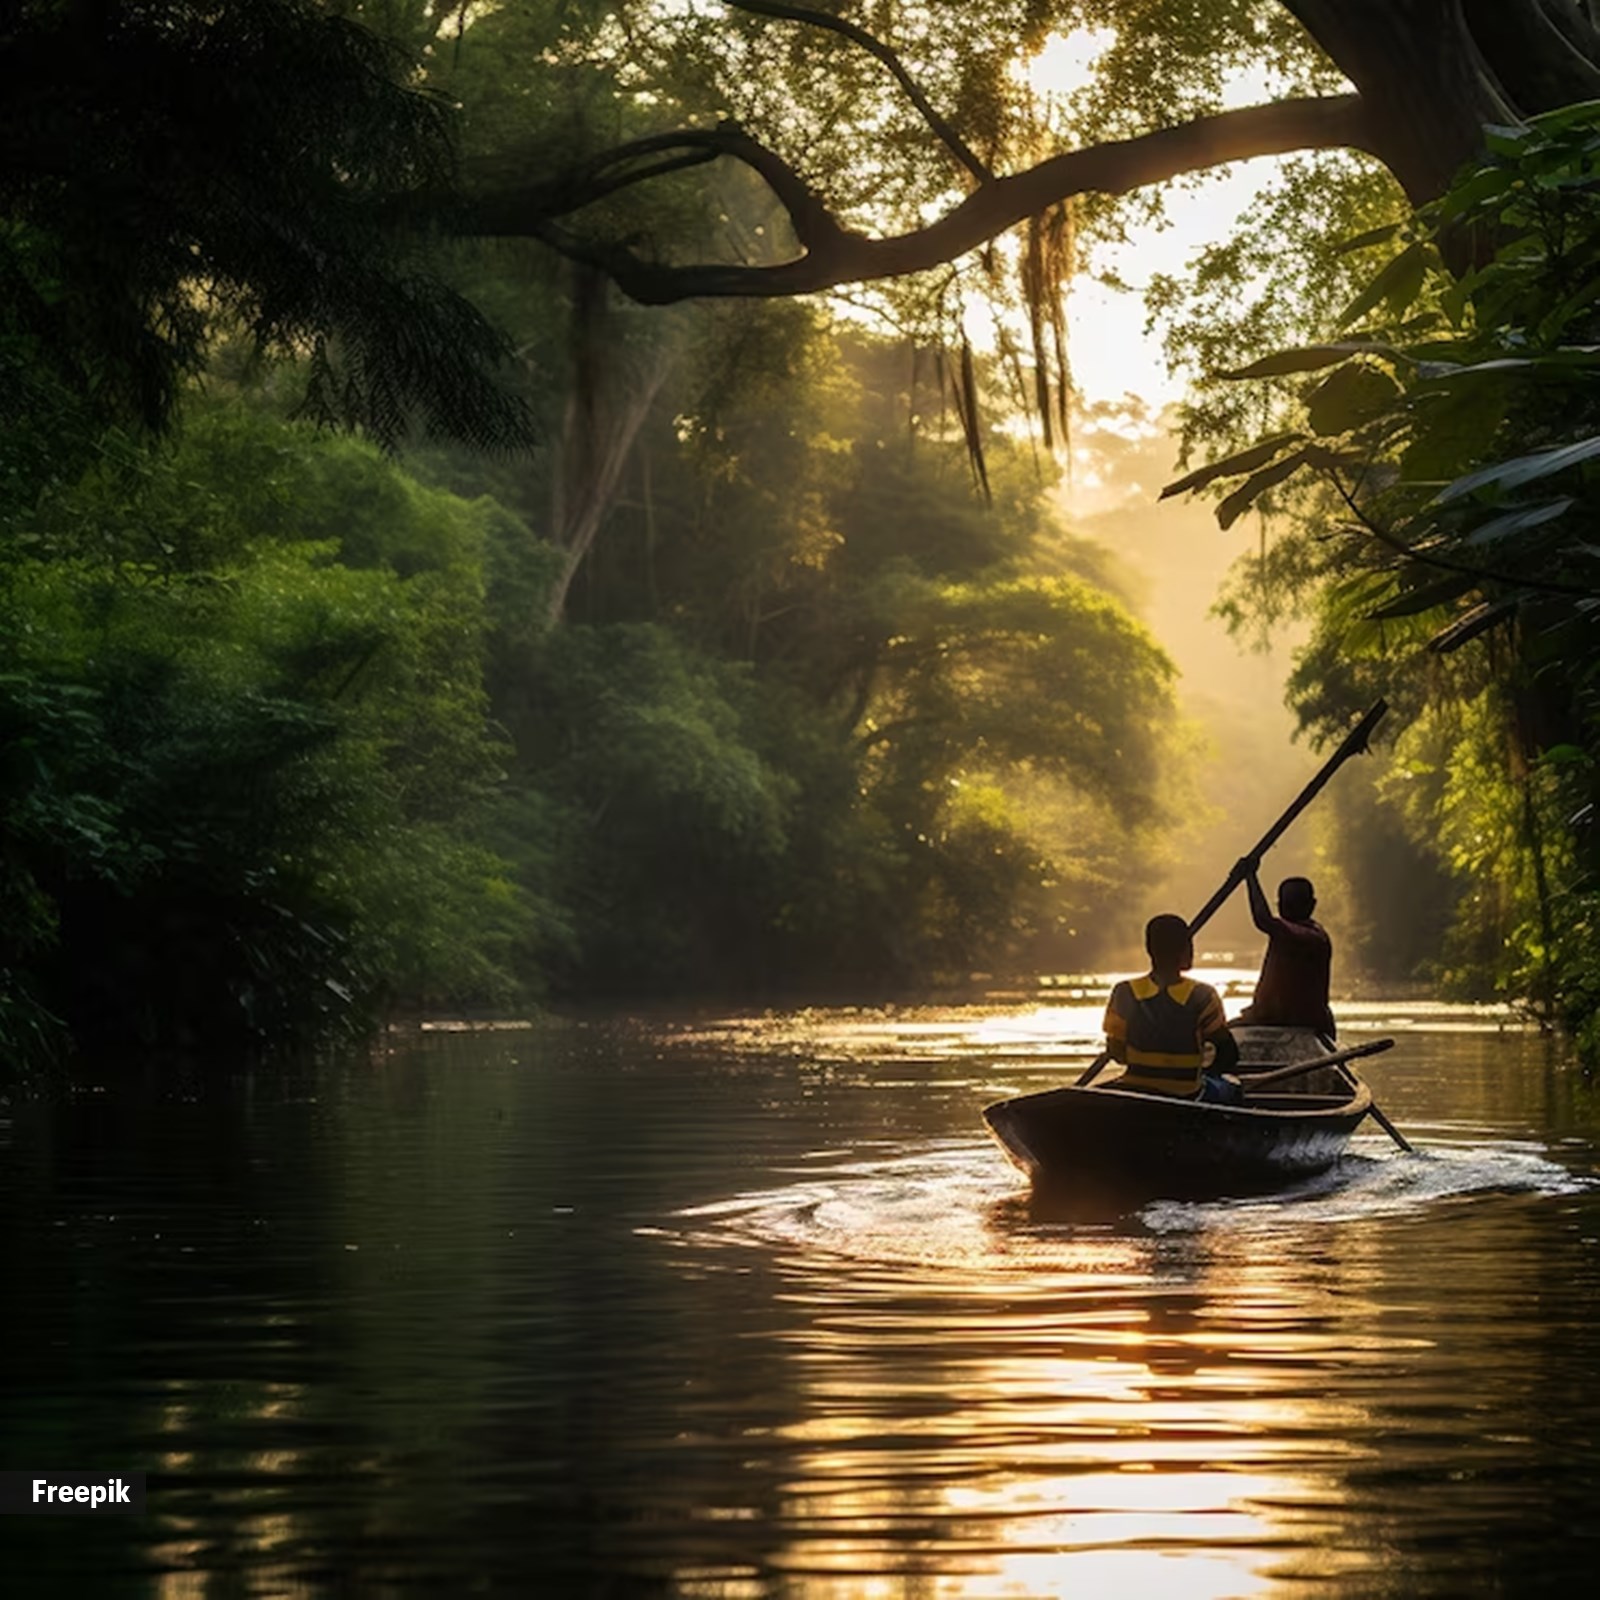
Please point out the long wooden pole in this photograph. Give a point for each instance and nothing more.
(1378, 1116)
(1354, 742)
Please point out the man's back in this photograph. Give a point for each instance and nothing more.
(1292, 991)
(1293, 988)
(1159, 1032)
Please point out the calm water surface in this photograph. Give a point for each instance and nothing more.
(751, 1306)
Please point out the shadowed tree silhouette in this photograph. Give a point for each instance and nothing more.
(171, 170)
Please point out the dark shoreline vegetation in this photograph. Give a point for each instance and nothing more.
(394, 622)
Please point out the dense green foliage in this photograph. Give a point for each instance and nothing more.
(859, 731)
(733, 682)
(817, 715)
(1442, 449)
(245, 737)
(761, 662)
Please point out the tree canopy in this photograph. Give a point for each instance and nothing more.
(896, 140)
(764, 662)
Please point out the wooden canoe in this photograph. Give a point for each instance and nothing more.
(1102, 1138)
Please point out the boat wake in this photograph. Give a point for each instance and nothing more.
(1384, 1182)
(933, 1205)
(952, 1202)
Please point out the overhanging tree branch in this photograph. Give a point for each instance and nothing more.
(531, 211)
(835, 255)
(600, 181)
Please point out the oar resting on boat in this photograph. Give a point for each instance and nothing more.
(1298, 1069)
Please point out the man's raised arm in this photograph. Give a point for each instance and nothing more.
(1260, 911)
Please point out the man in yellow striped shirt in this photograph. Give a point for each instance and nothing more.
(1158, 1026)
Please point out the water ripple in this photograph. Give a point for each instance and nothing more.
(953, 1202)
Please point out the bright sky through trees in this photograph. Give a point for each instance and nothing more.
(1112, 354)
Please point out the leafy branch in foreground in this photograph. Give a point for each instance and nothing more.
(1447, 460)
(1458, 430)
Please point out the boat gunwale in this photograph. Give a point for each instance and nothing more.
(1360, 1094)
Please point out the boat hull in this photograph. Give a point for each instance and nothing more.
(1103, 1138)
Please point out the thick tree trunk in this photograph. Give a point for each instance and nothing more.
(1423, 79)
(606, 406)
(1544, 51)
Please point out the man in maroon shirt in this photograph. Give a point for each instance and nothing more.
(1292, 991)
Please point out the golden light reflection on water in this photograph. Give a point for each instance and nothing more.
(1060, 1027)
(1024, 1412)
(989, 1400)
(264, 1539)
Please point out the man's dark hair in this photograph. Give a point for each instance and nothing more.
(1296, 898)
(1166, 937)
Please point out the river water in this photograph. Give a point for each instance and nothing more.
(750, 1306)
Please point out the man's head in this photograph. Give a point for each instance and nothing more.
(1167, 939)
(1296, 899)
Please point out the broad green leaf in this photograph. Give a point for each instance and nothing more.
(1579, 113)
(1457, 296)
(1310, 358)
(1397, 284)
(1504, 141)
(1521, 469)
(1371, 237)
(1231, 466)
(1486, 184)
(1230, 510)
(1326, 460)
(1349, 396)
(1551, 363)
(1510, 522)
(1411, 267)
(1478, 620)
(1425, 597)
